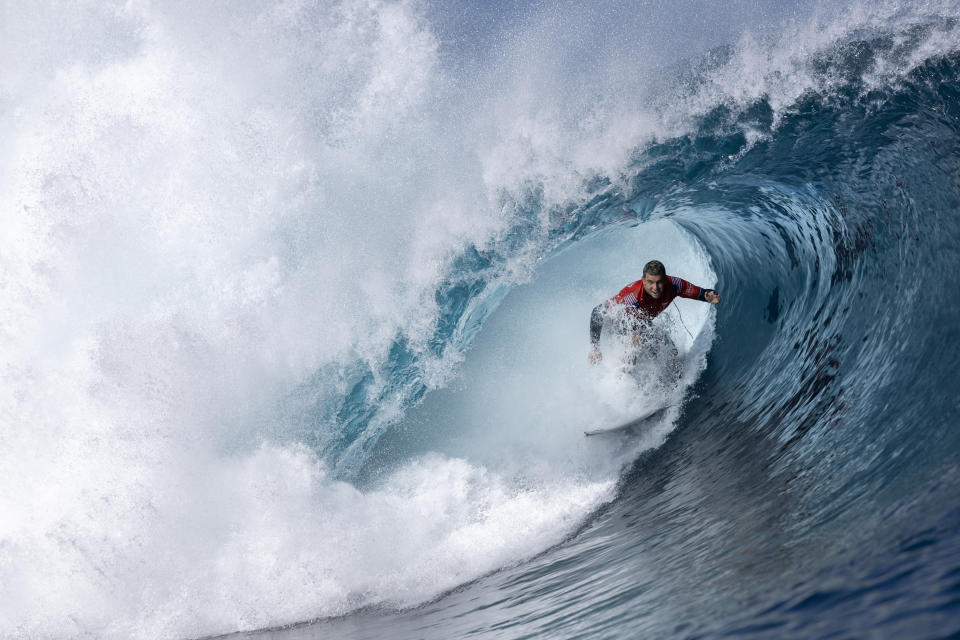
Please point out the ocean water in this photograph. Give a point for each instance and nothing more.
(294, 303)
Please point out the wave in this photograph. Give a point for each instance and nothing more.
(295, 322)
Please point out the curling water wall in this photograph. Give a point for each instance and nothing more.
(811, 485)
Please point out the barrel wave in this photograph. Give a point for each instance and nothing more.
(299, 350)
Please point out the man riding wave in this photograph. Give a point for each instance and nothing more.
(639, 303)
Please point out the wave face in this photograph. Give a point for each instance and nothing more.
(295, 306)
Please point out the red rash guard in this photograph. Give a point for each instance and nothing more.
(641, 305)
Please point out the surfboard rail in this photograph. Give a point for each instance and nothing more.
(630, 424)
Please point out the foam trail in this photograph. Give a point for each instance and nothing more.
(180, 250)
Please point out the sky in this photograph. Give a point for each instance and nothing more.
(662, 31)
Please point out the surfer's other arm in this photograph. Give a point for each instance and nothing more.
(596, 325)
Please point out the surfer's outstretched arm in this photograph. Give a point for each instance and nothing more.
(711, 296)
(684, 289)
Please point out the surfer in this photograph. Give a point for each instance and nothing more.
(639, 303)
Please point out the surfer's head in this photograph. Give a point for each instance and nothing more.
(654, 278)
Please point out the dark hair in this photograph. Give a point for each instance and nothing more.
(654, 268)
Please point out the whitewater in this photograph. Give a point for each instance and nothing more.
(294, 305)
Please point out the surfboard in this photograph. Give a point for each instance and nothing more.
(627, 426)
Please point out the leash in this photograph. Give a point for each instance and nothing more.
(679, 315)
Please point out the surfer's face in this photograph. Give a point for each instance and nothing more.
(653, 285)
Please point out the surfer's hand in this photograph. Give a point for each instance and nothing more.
(712, 297)
(595, 356)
